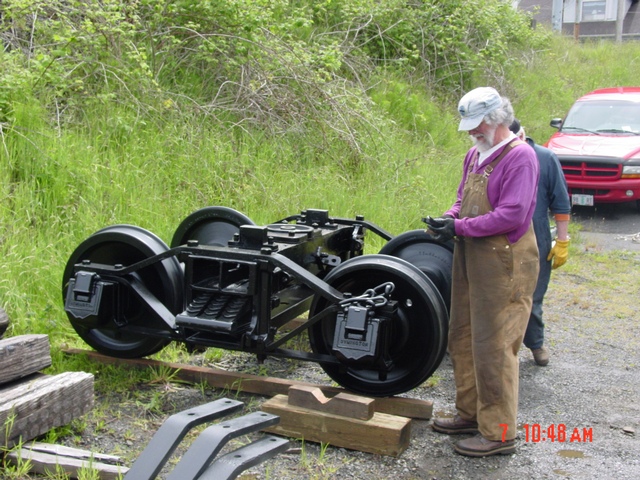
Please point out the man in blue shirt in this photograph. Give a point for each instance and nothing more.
(552, 197)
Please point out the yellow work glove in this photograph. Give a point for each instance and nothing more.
(559, 253)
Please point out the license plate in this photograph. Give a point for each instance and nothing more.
(577, 199)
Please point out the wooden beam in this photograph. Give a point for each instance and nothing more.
(31, 406)
(23, 355)
(64, 451)
(383, 434)
(268, 386)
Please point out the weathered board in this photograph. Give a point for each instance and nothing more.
(23, 355)
(50, 459)
(31, 406)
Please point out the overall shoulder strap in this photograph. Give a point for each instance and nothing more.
(507, 148)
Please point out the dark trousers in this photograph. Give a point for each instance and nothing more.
(534, 336)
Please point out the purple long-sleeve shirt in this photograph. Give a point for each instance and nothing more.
(511, 191)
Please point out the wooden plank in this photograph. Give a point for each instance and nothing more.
(343, 404)
(70, 461)
(383, 434)
(34, 405)
(64, 451)
(23, 355)
(268, 386)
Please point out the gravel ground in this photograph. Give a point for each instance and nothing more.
(590, 388)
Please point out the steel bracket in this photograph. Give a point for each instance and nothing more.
(199, 460)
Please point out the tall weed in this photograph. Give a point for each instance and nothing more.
(547, 83)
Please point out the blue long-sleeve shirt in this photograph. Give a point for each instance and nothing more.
(552, 197)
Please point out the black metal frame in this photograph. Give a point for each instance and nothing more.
(239, 296)
(255, 249)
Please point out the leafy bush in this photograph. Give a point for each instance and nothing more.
(285, 67)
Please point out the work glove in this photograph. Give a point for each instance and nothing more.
(442, 229)
(559, 253)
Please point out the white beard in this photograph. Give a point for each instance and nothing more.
(484, 142)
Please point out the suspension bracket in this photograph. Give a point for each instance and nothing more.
(363, 329)
(84, 296)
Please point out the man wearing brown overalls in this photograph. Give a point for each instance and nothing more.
(495, 268)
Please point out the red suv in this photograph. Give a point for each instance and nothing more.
(598, 145)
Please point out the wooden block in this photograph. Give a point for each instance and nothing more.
(50, 459)
(343, 404)
(23, 355)
(34, 405)
(383, 434)
(405, 407)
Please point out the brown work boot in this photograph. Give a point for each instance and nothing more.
(454, 425)
(541, 356)
(479, 446)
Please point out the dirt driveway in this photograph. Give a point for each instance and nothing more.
(609, 227)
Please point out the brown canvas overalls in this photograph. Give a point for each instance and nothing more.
(492, 288)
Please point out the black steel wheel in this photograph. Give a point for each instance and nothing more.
(126, 245)
(419, 329)
(212, 226)
(433, 258)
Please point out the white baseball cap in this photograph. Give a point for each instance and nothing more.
(475, 105)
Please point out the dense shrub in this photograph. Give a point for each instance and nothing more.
(284, 66)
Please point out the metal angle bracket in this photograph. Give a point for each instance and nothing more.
(232, 464)
(171, 432)
(209, 443)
